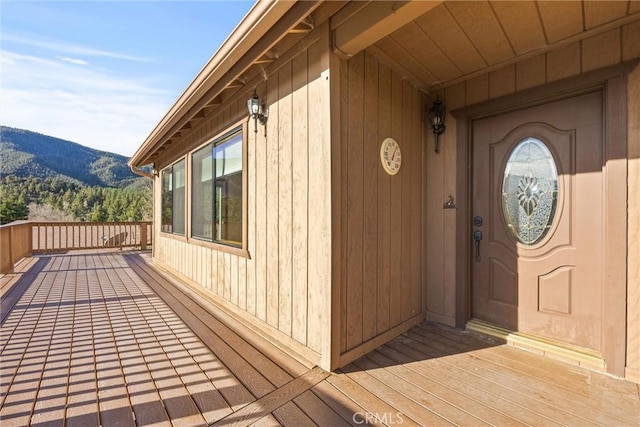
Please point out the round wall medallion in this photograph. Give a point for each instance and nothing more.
(390, 156)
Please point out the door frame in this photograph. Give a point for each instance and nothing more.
(612, 81)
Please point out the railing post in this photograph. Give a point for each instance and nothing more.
(30, 234)
(13, 244)
(143, 236)
(12, 239)
(8, 267)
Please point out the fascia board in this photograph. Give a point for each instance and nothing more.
(262, 16)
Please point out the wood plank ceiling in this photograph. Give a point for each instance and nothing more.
(459, 39)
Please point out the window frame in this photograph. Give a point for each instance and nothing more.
(242, 248)
(183, 234)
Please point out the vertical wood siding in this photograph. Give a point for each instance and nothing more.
(319, 200)
(633, 256)
(281, 284)
(396, 242)
(382, 215)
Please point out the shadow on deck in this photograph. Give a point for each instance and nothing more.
(102, 338)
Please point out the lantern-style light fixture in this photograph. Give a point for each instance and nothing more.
(437, 113)
(256, 110)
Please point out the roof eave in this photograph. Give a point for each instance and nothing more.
(262, 16)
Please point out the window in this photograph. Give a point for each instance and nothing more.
(202, 193)
(530, 191)
(173, 198)
(217, 190)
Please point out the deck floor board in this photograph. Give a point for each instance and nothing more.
(318, 410)
(104, 338)
(566, 382)
(466, 399)
(473, 389)
(508, 385)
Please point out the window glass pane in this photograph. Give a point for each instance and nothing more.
(530, 191)
(167, 201)
(202, 193)
(178, 197)
(229, 156)
(228, 212)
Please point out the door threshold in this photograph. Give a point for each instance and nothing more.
(567, 353)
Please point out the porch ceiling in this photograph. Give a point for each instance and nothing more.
(457, 40)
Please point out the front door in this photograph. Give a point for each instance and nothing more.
(537, 217)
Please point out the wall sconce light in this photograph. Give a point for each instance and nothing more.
(437, 113)
(256, 110)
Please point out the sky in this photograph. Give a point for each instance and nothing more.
(104, 73)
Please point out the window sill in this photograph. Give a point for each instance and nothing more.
(174, 236)
(219, 247)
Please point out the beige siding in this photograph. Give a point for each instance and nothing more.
(381, 215)
(608, 48)
(300, 197)
(440, 223)
(633, 255)
(388, 239)
(320, 243)
(280, 286)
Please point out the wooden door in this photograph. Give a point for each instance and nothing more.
(538, 220)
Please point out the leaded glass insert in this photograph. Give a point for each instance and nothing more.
(530, 191)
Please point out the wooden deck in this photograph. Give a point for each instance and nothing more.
(101, 338)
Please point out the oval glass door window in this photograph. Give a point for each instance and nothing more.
(530, 191)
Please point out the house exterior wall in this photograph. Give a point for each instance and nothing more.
(342, 256)
(380, 220)
(281, 288)
(633, 255)
(606, 49)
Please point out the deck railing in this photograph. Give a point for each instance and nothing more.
(20, 239)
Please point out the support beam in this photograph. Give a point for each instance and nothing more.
(375, 21)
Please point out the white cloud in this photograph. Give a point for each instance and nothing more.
(73, 60)
(65, 47)
(89, 106)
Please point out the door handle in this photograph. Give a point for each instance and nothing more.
(477, 236)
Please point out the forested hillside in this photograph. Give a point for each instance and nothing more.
(29, 154)
(49, 179)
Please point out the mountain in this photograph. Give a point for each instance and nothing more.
(24, 153)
